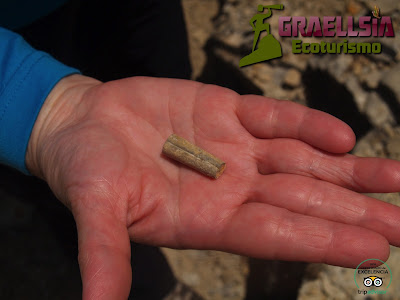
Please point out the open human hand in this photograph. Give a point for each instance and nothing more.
(289, 191)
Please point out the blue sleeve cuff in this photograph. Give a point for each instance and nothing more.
(33, 75)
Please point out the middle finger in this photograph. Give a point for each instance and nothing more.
(361, 174)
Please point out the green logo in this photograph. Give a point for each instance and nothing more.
(372, 276)
(268, 47)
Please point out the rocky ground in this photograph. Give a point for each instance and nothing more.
(362, 90)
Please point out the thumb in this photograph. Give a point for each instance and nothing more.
(104, 255)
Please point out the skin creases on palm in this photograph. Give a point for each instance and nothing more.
(289, 190)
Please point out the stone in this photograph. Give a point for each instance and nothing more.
(357, 68)
(354, 8)
(332, 282)
(393, 148)
(372, 79)
(233, 40)
(388, 130)
(378, 111)
(209, 273)
(359, 95)
(391, 80)
(372, 144)
(292, 78)
(385, 6)
(337, 67)
(182, 292)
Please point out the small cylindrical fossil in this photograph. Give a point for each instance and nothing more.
(192, 156)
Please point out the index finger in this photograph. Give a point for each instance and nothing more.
(270, 118)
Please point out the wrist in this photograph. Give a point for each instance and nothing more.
(59, 109)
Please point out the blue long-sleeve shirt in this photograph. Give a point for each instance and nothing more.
(26, 78)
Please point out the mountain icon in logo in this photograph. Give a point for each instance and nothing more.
(268, 47)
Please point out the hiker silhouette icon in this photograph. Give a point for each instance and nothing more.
(268, 47)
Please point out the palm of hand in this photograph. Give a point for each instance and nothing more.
(133, 179)
(279, 198)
